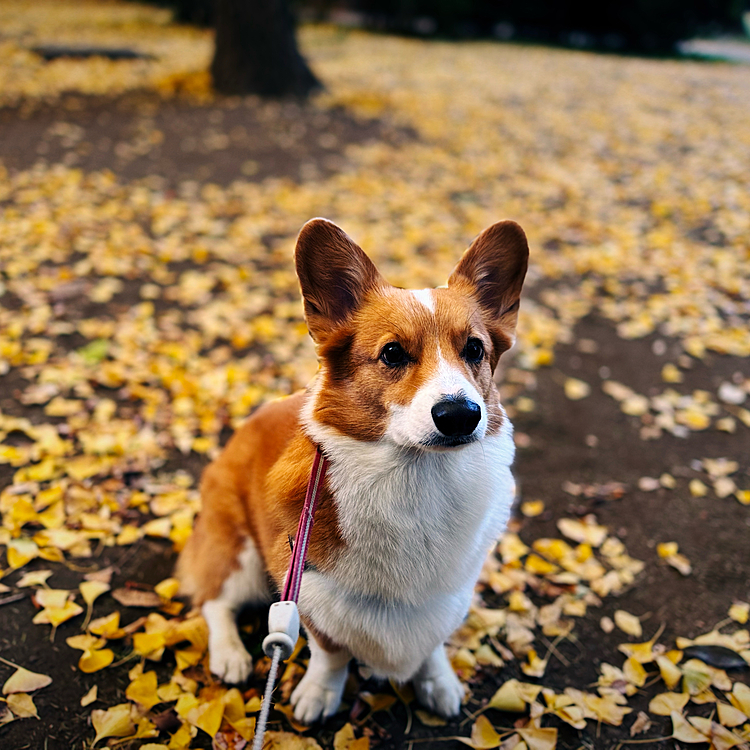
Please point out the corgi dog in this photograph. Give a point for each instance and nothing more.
(418, 488)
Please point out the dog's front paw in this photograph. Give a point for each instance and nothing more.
(230, 661)
(441, 693)
(313, 700)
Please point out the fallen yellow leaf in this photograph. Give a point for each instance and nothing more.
(483, 735)
(22, 706)
(665, 703)
(25, 681)
(628, 623)
(114, 722)
(142, 690)
(92, 660)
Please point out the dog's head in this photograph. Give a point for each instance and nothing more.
(411, 367)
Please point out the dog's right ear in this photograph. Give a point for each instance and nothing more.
(335, 276)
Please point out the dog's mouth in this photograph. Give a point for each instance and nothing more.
(447, 442)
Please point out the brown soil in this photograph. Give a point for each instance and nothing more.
(232, 140)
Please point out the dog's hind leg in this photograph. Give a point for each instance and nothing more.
(222, 569)
(247, 584)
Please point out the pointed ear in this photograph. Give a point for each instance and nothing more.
(492, 270)
(335, 276)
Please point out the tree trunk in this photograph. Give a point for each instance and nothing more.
(256, 50)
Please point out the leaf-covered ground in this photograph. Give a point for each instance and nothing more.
(148, 304)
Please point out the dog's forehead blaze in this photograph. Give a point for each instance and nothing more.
(431, 334)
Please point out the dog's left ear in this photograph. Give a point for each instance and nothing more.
(335, 276)
(492, 270)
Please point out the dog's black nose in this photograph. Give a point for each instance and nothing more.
(456, 417)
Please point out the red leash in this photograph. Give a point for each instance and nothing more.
(283, 616)
(304, 528)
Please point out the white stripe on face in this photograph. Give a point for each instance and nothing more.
(413, 425)
(425, 297)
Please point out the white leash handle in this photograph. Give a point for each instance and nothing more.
(283, 629)
(278, 645)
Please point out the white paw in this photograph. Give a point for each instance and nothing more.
(442, 694)
(230, 661)
(313, 700)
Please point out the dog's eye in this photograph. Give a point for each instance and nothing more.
(473, 351)
(393, 355)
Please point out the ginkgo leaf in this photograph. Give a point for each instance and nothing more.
(740, 612)
(147, 644)
(576, 389)
(511, 548)
(583, 531)
(92, 660)
(539, 738)
(52, 598)
(25, 681)
(428, 719)
(207, 716)
(90, 590)
(379, 702)
(608, 707)
(740, 697)
(730, 716)
(641, 652)
(532, 508)
(57, 615)
(90, 697)
(142, 690)
(483, 735)
(634, 672)
(665, 703)
(85, 641)
(6, 715)
(670, 672)
(628, 623)
(22, 706)
(35, 578)
(507, 698)
(168, 588)
(234, 705)
(344, 739)
(696, 675)
(487, 656)
(245, 727)
(288, 741)
(685, 732)
(108, 626)
(114, 722)
(534, 666)
(182, 738)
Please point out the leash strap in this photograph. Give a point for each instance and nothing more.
(304, 528)
(283, 617)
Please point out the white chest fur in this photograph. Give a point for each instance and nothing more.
(417, 527)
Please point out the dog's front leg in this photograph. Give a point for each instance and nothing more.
(319, 692)
(437, 686)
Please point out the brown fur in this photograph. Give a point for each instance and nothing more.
(256, 488)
